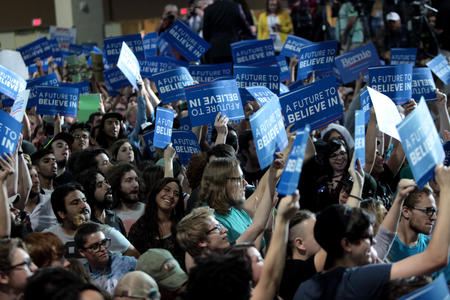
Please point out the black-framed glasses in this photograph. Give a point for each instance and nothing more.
(82, 136)
(219, 227)
(105, 243)
(27, 262)
(239, 179)
(429, 211)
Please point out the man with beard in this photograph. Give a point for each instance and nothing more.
(418, 216)
(99, 197)
(81, 134)
(124, 179)
(71, 209)
(60, 145)
(42, 216)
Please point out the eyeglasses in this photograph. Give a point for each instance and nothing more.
(105, 243)
(429, 211)
(239, 179)
(335, 155)
(27, 262)
(219, 227)
(78, 137)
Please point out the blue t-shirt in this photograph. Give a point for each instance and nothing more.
(363, 283)
(118, 266)
(401, 251)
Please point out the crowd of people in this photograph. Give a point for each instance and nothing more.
(86, 212)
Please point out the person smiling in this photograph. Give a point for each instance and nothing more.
(156, 228)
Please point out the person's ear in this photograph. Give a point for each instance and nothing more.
(203, 244)
(406, 213)
(299, 244)
(82, 252)
(61, 214)
(346, 245)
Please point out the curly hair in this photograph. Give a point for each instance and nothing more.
(114, 176)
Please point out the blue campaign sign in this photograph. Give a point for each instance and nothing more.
(184, 142)
(261, 94)
(10, 130)
(186, 41)
(447, 153)
(54, 100)
(268, 132)
(37, 49)
(317, 57)
(47, 80)
(185, 124)
(83, 86)
(20, 105)
(283, 89)
(366, 104)
(285, 74)
(439, 66)
(293, 45)
(54, 45)
(129, 65)
(401, 56)
(112, 47)
(253, 52)
(421, 143)
(6, 101)
(11, 83)
(360, 137)
(295, 85)
(268, 77)
(170, 84)
(291, 174)
(163, 127)
(76, 49)
(114, 80)
(207, 73)
(423, 85)
(316, 104)
(352, 63)
(150, 44)
(393, 81)
(158, 64)
(437, 289)
(205, 100)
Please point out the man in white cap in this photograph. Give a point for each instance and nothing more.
(396, 34)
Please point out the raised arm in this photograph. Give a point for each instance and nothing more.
(371, 141)
(169, 155)
(354, 199)
(276, 255)
(7, 168)
(220, 123)
(435, 255)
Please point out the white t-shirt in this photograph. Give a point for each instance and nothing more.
(119, 244)
(42, 216)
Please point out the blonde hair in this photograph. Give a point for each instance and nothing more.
(193, 229)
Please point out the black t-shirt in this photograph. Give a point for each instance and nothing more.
(295, 272)
(386, 184)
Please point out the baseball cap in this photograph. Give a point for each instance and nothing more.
(68, 138)
(392, 16)
(160, 264)
(137, 284)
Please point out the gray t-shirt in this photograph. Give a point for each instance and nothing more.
(363, 283)
(129, 217)
(119, 244)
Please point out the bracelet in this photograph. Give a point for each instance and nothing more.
(356, 197)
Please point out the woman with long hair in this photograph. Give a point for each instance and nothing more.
(157, 227)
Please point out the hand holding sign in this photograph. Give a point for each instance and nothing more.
(220, 123)
(7, 165)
